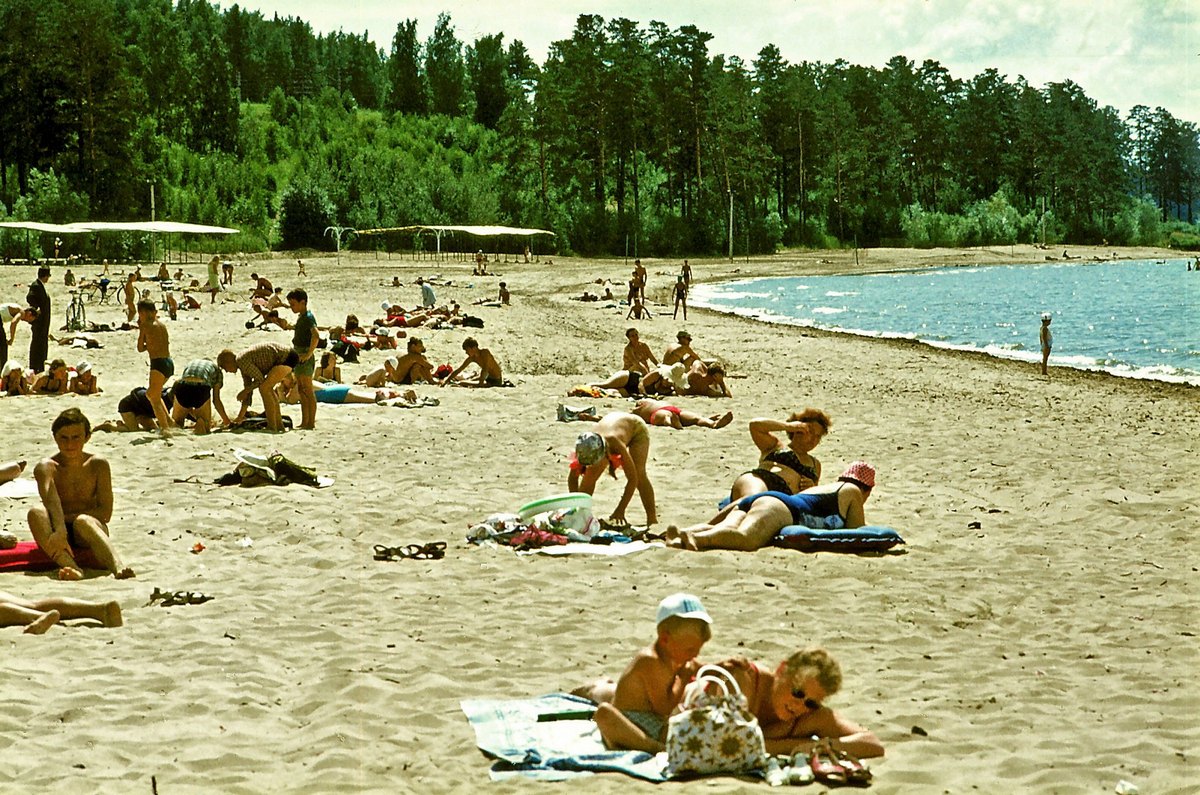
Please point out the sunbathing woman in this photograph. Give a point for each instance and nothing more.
(631, 382)
(789, 705)
(12, 379)
(753, 522)
(335, 393)
(55, 381)
(622, 441)
(329, 370)
(787, 467)
(659, 412)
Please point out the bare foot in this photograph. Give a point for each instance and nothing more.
(124, 574)
(70, 573)
(43, 623)
(112, 615)
(724, 419)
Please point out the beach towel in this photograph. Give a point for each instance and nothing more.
(550, 738)
(579, 548)
(25, 556)
(19, 489)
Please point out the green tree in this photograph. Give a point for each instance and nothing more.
(305, 212)
(445, 69)
(487, 65)
(406, 84)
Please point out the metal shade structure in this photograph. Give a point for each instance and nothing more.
(477, 231)
(88, 227)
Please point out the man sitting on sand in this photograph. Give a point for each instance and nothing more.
(413, 367)
(637, 355)
(659, 412)
(489, 368)
(39, 615)
(707, 380)
(681, 351)
(71, 524)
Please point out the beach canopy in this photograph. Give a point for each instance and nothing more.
(83, 227)
(481, 231)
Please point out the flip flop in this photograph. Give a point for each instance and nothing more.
(435, 550)
(825, 767)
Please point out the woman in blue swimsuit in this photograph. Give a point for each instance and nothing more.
(752, 522)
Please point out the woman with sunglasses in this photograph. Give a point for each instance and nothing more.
(788, 702)
(753, 522)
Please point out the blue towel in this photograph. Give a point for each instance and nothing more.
(509, 730)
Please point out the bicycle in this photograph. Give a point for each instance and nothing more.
(76, 312)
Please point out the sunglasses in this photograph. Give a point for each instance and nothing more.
(809, 703)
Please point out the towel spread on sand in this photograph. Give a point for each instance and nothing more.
(25, 556)
(550, 750)
(580, 548)
(19, 489)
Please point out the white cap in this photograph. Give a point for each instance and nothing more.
(10, 365)
(1045, 316)
(683, 605)
(83, 368)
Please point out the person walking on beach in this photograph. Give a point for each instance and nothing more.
(71, 524)
(1047, 338)
(153, 339)
(39, 299)
(681, 291)
(304, 343)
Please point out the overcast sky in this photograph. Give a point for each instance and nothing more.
(1122, 52)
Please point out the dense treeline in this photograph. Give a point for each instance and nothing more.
(628, 138)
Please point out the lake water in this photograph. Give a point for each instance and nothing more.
(1136, 318)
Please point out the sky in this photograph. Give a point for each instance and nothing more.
(1122, 52)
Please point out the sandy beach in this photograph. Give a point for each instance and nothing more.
(1036, 634)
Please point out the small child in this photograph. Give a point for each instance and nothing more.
(651, 687)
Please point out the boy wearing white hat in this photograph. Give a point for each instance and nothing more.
(652, 686)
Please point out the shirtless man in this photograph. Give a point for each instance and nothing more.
(681, 351)
(489, 368)
(641, 275)
(71, 524)
(262, 286)
(152, 339)
(659, 412)
(637, 356)
(413, 367)
(707, 380)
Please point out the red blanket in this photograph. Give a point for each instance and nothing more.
(25, 556)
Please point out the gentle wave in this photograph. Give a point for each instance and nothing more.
(1129, 318)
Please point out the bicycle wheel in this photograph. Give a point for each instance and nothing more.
(76, 316)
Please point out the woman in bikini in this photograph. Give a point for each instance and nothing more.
(789, 704)
(659, 412)
(753, 522)
(328, 372)
(619, 441)
(789, 466)
(55, 381)
(631, 382)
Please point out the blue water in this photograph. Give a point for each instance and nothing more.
(1137, 318)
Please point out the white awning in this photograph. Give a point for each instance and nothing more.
(84, 227)
(480, 231)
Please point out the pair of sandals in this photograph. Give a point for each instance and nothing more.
(435, 550)
(838, 767)
(173, 598)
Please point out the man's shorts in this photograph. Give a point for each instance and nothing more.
(192, 394)
(306, 367)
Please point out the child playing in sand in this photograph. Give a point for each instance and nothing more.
(84, 382)
(38, 616)
(71, 524)
(651, 687)
(152, 339)
(619, 440)
(489, 368)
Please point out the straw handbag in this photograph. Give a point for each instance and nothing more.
(715, 732)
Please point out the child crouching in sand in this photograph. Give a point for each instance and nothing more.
(651, 687)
